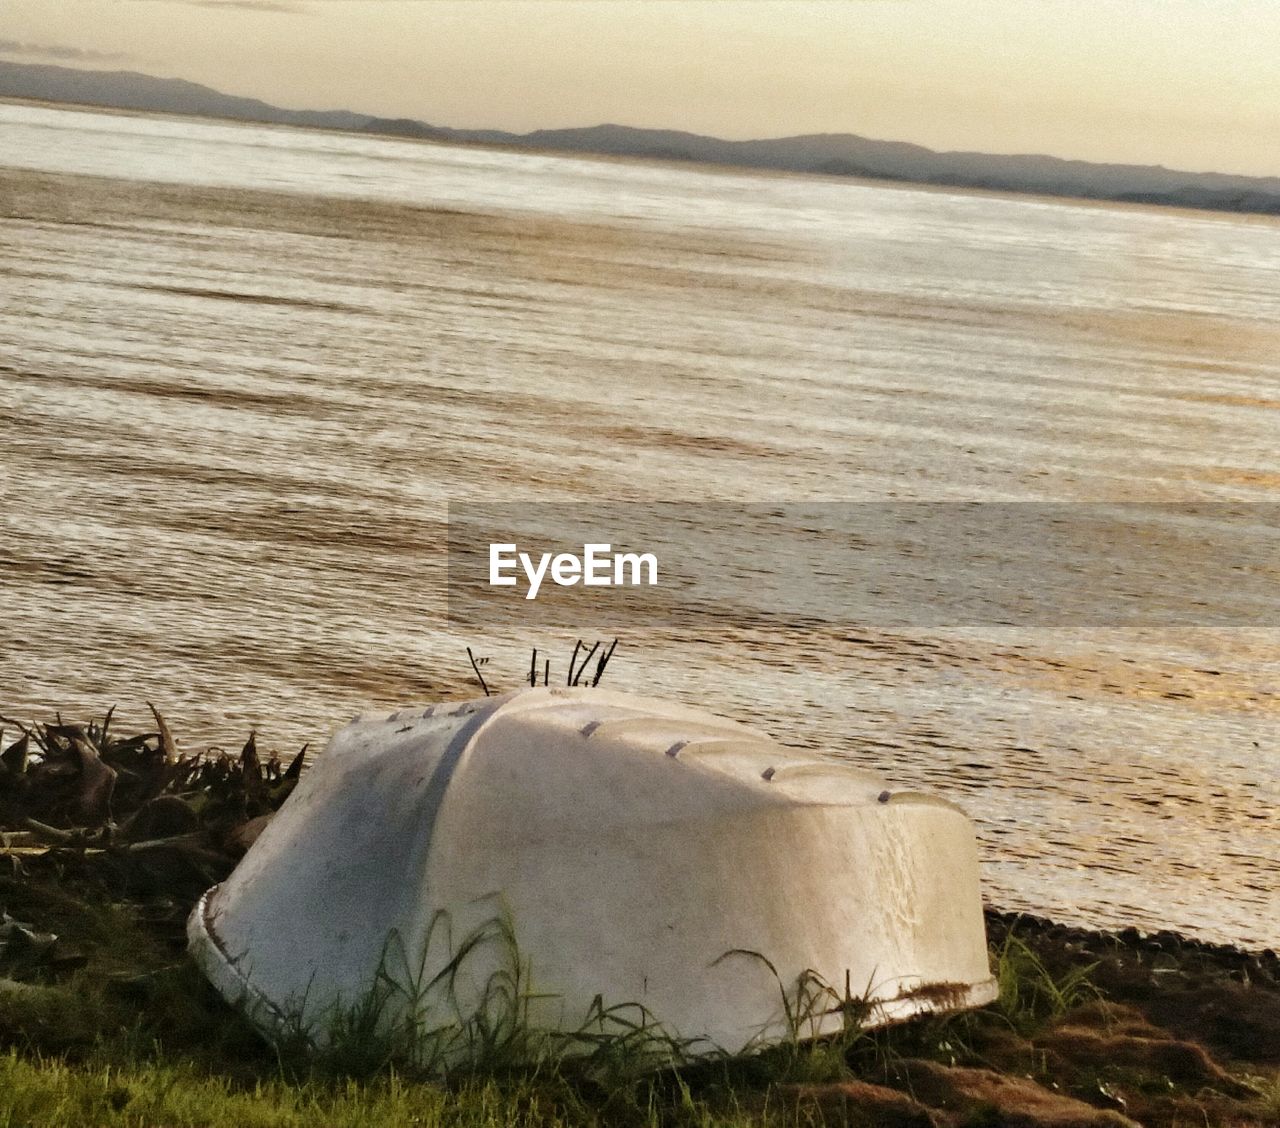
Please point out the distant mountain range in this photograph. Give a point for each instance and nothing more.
(841, 154)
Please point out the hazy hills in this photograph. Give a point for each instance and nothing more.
(843, 154)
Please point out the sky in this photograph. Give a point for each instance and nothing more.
(1191, 84)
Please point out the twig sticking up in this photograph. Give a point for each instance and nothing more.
(576, 676)
(533, 668)
(475, 666)
(604, 661)
(569, 680)
(546, 673)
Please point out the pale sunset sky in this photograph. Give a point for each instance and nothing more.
(1191, 84)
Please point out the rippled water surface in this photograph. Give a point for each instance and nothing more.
(243, 370)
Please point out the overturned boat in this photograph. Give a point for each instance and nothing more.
(559, 859)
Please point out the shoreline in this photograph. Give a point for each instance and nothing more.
(1162, 940)
(102, 1010)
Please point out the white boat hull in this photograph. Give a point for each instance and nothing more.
(620, 851)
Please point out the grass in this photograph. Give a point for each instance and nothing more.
(114, 1025)
(141, 1086)
(1269, 1091)
(150, 1043)
(1030, 995)
(468, 1009)
(51, 1092)
(810, 1053)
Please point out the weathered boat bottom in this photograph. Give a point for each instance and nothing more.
(581, 850)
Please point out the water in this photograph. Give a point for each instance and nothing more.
(244, 369)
